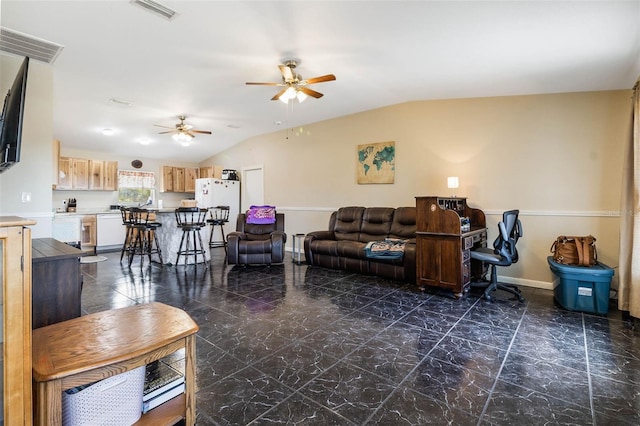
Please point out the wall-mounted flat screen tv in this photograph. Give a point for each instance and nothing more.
(11, 119)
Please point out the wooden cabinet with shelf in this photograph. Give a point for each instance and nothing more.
(15, 276)
(62, 361)
(443, 242)
(88, 234)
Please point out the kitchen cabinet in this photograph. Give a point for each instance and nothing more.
(110, 176)
(190, 175)
(82, 174)
(73, 173)
(88, 235)
(65, 167)
(178, 179)
(167, 178)
(96, 174)
(210, 172)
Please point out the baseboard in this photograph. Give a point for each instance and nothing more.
(527, 283)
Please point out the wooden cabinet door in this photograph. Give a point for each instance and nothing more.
(191, 173)
(110, 175)
(80, 177)
(88, 231)
(206, 172)
(167, 178)
(96, 174)
(178, 179)
(65, 173)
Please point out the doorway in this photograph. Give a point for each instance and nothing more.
(252, 187)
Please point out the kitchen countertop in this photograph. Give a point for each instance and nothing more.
(106, 211)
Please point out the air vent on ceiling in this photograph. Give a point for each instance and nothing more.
(27, 45)
(156, 8)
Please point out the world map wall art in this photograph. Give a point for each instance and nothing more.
(376, 162)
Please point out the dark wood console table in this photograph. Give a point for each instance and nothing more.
(443, 244)
(57, 282)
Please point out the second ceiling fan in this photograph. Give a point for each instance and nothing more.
(294, 86)
(182, 132)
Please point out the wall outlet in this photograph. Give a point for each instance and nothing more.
(26, 197)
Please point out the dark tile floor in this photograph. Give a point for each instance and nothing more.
(291, 344)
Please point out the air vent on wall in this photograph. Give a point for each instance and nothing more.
(27, 45)
(156, 8)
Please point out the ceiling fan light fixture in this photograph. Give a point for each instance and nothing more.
(289, 94)
(183, 138)
(301, 96)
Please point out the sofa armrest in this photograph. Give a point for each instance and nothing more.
(233, 250)
(278, 239)
(315, 235)
(409, 261)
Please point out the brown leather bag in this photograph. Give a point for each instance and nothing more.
(575, 250)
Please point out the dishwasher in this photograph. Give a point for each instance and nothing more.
(111, 231)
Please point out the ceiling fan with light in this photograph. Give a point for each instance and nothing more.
(294, 86)
(182, 132)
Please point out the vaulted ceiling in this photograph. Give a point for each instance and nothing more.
(381, 52)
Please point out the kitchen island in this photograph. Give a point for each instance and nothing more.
(169, 236)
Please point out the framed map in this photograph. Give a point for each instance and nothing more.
(376, 162)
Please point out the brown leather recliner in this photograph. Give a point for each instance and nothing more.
(256, 244)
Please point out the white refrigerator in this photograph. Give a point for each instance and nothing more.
(212, 192)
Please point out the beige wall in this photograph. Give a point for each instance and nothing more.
(557, 158)
(33, 173)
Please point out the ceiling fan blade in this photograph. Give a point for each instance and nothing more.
(250, 83)
(286, 72)
(280, 93)
(310, 92)
(321, 79)
(165, 127)
(204, 132)
(168, 131)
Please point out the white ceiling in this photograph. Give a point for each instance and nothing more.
(382, 53)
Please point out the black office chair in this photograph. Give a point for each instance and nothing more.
(504, 253)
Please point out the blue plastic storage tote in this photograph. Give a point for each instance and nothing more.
(582, 288)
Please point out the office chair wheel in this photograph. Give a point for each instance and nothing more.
(489, 298)
(520, 298)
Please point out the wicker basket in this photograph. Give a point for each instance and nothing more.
(188, 203)
(114, 401)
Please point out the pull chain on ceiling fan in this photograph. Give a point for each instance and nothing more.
(294, 86)
(182, 132)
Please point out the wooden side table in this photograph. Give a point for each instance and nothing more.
(96, 346)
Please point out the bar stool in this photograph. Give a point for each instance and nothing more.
(219, 217)
(191, 220)
(144, 240)
(128, 238)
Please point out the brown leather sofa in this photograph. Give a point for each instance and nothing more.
(255, 243)
(342, 246)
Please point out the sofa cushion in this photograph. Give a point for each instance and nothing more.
(348, 223)
(376, 223)
(351, 249)
(404, 223)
